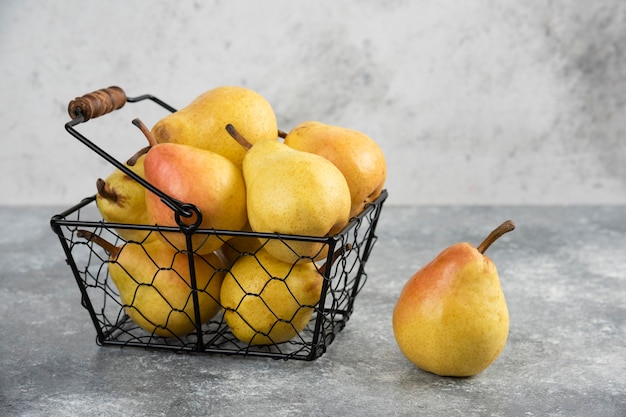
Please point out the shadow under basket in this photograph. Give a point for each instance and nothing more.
(343, 277)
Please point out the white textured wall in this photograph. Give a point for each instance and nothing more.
(481, 102)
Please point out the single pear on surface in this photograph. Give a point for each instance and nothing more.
(293, 192)
(121, 199)
(195, 176)
(154, 285)
(267, 301)
(358, 157)
(451, 318)
(201, 123)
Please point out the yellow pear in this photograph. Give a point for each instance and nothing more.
(238, 245)
(358, 157)
(451, 318)
(201, 123)
(121, 199)
(267, 301)
(293, 192)
(154, 285)
(209, 181)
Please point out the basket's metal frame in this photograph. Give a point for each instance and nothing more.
(186, 210)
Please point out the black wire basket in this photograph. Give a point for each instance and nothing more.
(301, 328)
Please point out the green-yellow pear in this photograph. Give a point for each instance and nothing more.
(358, 157)
(451, 318)
(201, 123)
(195, 176)
(154, 284)
(293, 192)
(121, 199)
(267, 301)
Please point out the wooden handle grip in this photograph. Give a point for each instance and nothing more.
(97, 103)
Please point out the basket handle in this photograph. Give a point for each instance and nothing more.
(106, 100)
(97, 103)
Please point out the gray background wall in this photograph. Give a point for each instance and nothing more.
(481, 102)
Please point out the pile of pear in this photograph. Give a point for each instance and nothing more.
(225, 154)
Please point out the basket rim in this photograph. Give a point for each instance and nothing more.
(60, 219)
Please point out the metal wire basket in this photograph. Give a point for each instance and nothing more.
(117, 319)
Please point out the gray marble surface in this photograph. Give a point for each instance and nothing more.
(563, 271)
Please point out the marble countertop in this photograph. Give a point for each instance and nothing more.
(563, 271)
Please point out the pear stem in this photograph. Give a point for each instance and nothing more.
(132, 161)
(144, 129)
(282, 134)
(110, 248)
(238, 137)
(104, 191)
(505, 227)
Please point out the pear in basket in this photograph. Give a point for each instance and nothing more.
(235, 247)
(121, 199)
(267, 301)
(209, 181)
(359, 158)
(155, 288)
(201, 123)
(293, 192)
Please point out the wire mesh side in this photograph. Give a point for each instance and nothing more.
(343, 279)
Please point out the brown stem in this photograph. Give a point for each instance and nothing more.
(347, 247)
(105, 191)
(132, 161)
(151, 139)
(110, 248)
(505, 227)
(238, 137)
(282, 134)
